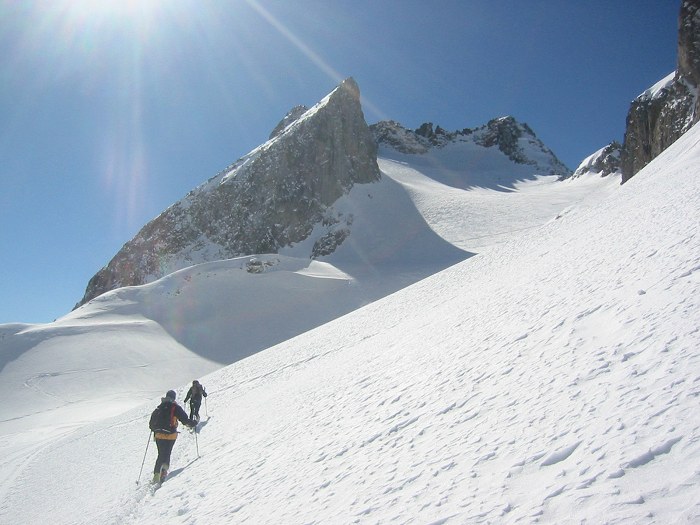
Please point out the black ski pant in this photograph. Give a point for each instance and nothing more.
(194, 408)
(165, 448)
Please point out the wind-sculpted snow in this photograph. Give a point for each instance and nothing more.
(553, 378)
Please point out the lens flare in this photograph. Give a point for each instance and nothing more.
(102, 48)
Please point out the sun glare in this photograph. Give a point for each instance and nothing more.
(106, 46)
(90, 21)
(114, 8)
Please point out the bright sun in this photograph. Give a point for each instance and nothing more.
(86, 21)
(90, 13)
(115, 8)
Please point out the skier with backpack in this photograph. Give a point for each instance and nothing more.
(194, 394)
(163, 424)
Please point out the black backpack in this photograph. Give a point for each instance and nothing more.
(197, 391)
(162, 418)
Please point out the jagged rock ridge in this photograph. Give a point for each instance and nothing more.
(515, 140)
(660, 115)
(294, 114)
(603, 162)
(269, 199)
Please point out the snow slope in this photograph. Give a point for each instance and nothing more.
(552, 378)
(501, 198)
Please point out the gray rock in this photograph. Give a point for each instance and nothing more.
(688, 42)
(602, 163)
(289, 118)
(394, 135)
(659, 116)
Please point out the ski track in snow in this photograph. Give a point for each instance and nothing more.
(554, 379)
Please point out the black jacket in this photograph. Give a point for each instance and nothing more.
(195, 393)
(178, 415)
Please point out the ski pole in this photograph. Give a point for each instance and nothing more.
(144, 458)
(196, 443)
(206, 407)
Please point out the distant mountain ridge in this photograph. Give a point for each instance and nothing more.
(517, 141)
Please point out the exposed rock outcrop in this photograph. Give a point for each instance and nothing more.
(289, 118)
(269, 199)
(602, 163)
(688, 41)
(403, 140)
(660, 115)
(506, 133)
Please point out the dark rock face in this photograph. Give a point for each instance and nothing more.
(289, 118)
(660, 115)
(603, 163)
(655, 122)
(267, 200)
(688, 42)
(399, 138)
(505, 133)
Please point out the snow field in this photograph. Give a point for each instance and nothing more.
(551, 379)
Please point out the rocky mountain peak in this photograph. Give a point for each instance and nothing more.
(603, 162)
(271, 198)
(505, 132)
(289, 118)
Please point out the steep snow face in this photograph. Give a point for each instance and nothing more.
(554, 379)
(479, 219)
(657, 90)
(472, 193)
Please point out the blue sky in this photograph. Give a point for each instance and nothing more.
(112, 110)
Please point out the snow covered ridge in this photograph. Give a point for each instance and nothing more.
(515, 140)
(657, 90)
